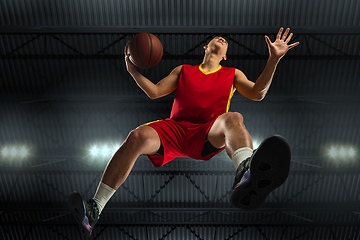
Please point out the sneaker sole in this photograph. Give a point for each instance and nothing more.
(77, 208)
(269, 169)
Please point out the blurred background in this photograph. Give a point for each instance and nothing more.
(67, 103)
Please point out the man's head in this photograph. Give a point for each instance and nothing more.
(218, 45)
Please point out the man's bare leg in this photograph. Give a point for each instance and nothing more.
(229, 130)
(142, 140)
(269, 165)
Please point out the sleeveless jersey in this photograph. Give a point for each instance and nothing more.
(200, 96)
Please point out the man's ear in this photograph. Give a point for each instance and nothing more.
(206, 47)
(224, 57)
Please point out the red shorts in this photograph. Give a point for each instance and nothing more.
(181, 139)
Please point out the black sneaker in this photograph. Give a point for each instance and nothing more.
(264, 171)
(240, 171)
(85, 213)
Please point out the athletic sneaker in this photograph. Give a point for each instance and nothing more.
(85, 213)
(240, 171)
(264, 171)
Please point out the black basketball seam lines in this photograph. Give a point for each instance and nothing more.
(150, 50)
(137, 50)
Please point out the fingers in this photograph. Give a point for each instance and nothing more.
(286, 38)
(289, 38)
(268, 41)
(128, 62)
(125, 49)
(285, 34)
(293, 45)
(279, 33)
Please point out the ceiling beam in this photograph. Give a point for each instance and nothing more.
(168, 57)
(205, 170)
(164, 223)
(175, 30)
(130, 101)
(350, 207)
(127, 214)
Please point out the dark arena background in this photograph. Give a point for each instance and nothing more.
(67, 102)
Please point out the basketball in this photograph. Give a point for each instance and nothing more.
(145, 50)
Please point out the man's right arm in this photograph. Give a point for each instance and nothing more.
(162, 88)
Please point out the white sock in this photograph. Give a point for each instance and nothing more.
(103, 195)
(240, 155)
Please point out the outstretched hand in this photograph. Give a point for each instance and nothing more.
(280, 47)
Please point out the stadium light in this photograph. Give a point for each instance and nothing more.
(104, 150)
(5, 152)
(94, 151)
(14, 151)
(342, 152)
(351, 152)
(23, 152)
(333, 152)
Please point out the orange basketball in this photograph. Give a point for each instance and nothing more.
(145, 50)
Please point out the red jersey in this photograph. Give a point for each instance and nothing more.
(200, 96)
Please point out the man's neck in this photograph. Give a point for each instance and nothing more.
(210, 63)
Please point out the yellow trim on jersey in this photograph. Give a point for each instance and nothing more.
(151, 122)
(206, 73)
(230, 96)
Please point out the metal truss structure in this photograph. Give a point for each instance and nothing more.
(46, 35)
(288, 214)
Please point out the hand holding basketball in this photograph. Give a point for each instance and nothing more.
(144, 50)
(129, 64)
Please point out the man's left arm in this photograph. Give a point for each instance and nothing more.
(257, 91)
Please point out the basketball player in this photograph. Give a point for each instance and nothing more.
(200, 127)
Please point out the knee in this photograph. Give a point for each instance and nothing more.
(233, 118)
(137, 137)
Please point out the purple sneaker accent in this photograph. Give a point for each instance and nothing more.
(86, 224)
(245, 180)
(86, 213)
(269, 168)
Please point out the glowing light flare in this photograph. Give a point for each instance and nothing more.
(94, 151)
(341, 152)
(115, 148)
(105, 150)
(23, 152)
(255, 144)
(333, 152)
(13, 152)
(351, 152)
(5, 152)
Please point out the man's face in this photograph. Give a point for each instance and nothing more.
(219, 45)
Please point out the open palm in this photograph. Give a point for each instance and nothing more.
(280, 47)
